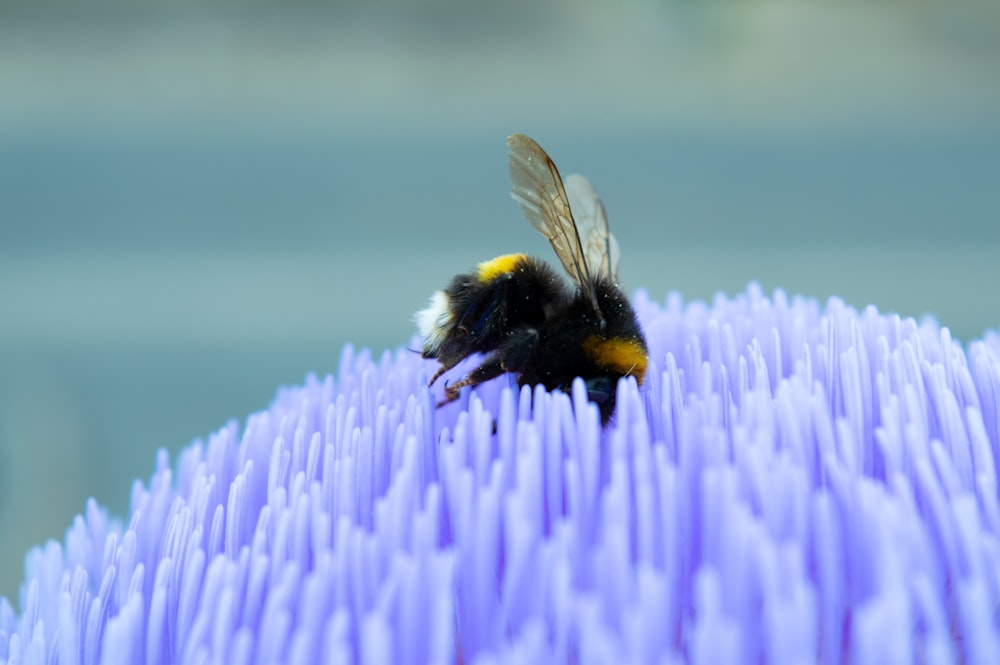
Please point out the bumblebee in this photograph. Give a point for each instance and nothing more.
(523, 317)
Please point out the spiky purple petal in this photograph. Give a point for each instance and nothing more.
(793, 484)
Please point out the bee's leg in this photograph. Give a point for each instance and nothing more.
(441, 370)
(491, 368)
(519, 349)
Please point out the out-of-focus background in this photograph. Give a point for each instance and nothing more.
(200, 201)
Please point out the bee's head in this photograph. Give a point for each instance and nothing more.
(435, 323)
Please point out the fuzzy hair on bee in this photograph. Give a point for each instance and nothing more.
(523, 317)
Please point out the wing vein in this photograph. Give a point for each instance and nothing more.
(539, 189)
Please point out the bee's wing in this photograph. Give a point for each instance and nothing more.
(600, 248)
(539, 189)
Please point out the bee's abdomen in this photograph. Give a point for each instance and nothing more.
(621, 355)
(618, 347)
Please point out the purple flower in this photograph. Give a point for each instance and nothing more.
(793, 484)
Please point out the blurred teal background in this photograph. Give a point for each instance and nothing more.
(202, 200)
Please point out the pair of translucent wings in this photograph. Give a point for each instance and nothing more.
(567, 212)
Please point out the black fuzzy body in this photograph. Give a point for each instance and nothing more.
(528, 322)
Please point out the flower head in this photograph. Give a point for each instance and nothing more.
(793, 483)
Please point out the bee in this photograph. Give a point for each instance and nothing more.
(523, 317)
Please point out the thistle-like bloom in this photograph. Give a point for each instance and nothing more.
(793, 484)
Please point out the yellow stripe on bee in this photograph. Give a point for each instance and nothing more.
(487, 271)
(624, 356)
